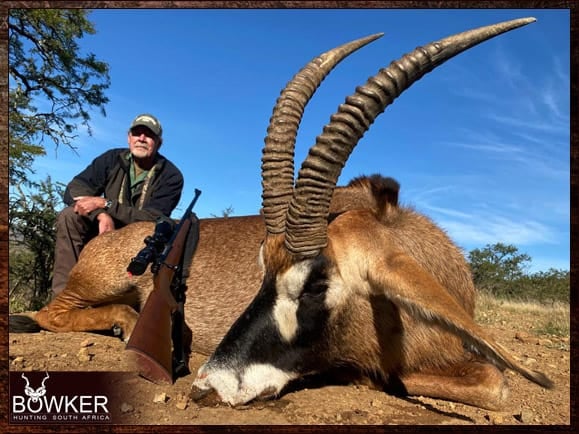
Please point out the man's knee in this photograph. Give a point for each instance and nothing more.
(68, 217)
(72, 233)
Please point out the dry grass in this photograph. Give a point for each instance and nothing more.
(549, 319)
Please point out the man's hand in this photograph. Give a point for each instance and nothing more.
(106, 222)
(84, 205)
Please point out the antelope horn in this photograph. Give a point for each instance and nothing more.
(306, 225)
(45, 378)
(277, 166)
(26, 379)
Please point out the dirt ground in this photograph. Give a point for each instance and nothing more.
(151, 404)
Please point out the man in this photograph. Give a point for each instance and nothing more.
(119, 187)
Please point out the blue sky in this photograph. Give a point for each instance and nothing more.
(481, 144)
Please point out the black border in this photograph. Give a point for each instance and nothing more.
(492, 4)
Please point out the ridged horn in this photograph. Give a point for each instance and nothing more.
(277, 167)
(306, 226)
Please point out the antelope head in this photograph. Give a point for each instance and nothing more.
(35, 394)
(314, 264)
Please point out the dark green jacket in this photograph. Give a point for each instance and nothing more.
(108, 176)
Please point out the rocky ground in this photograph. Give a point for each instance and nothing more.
(533, 337)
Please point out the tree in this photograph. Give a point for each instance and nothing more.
(548, 286)
(496, 267)
(227, 212)
(52, 84)
(501, 270)
(32, 218)
(52, 88)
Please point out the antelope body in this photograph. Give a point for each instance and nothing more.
(329, 277)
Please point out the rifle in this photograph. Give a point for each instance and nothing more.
(157, 339)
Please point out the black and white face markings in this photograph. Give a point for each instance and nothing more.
(279, 337)
(285, 321)
(300, 310)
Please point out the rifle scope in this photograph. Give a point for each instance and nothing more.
(155, 245)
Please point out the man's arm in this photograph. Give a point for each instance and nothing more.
(92, 180)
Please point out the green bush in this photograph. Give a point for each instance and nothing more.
(499, 270)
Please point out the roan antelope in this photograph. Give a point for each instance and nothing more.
(348, 279)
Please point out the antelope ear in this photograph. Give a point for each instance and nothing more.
(375, 193)
(403, 281)
(385, 192)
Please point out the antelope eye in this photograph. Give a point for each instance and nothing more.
(317, 282)
(314, 289)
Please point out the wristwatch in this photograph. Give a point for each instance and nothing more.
(108, 204)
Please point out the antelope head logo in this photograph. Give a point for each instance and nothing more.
(35, 394)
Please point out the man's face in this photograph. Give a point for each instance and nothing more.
(143, 143)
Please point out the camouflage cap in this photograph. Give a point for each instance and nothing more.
(149, 121)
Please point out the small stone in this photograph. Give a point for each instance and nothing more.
(126, 408)
(160, 398)
(87, 343)
(495, 418)
(84, 356)
(525, 416)
(18, 360)
(182, 401)
(529, 361)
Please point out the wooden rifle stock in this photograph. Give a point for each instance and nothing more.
(151, 341)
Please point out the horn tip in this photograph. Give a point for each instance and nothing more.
(525, 21)
(375, 36)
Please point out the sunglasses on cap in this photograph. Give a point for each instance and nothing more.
(138, 130)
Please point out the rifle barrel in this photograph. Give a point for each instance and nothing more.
(186, 215)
